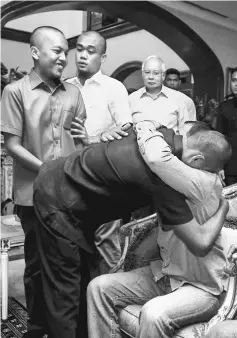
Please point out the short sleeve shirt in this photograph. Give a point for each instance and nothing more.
(42, 118)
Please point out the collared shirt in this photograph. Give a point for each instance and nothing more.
(106, 101)
(42, 118)
(203, 191)
(168, 107)
(189, 104)
(99, 185)
(227, 125)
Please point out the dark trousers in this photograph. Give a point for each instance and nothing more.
(32, 279)
(65, 276)
(229, 179)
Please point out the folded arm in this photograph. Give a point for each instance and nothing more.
(200, 239)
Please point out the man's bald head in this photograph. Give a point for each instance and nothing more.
(212, 145)
(49, 49)
(40, 34)
(98, 38)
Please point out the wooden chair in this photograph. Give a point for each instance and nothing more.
(140, 247)
(12, 242)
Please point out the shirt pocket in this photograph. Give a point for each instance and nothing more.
(68, 117)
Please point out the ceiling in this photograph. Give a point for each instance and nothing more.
(225, 8)
(59, 15)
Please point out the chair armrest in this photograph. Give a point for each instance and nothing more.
(134, 231)
(229, 307)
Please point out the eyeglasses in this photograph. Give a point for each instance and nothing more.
(154, 73)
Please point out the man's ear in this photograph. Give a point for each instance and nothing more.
(197, 161)
(34, 52)
(103, 58)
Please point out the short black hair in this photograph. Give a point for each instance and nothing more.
(37, 32)
(173, 71)
(197, 126)
(233, 70)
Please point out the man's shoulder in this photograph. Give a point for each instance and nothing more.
(71, 86)
(227, 103)
(17, 86)
(111, 82)
(137, 93)
(209, 182)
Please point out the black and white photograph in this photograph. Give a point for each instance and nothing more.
(118, 169)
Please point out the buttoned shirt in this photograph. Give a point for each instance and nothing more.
(42, 118)
(168, 107)
(227, 125)
(106, 101)
(75, 195)
(203, 191)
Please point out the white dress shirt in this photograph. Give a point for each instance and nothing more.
(168, 107)
(106, 102)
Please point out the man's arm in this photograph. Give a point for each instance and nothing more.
(192, 115)
(159, 158)
(20, 154)
(12, 126)
(183, 114)
(78, 130)
(200, 239)
(119, 105)
(221, 124)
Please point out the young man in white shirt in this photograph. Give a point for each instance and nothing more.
(108, 110)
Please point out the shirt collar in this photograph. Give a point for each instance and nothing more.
(97, 77)
(164, 91)
(36, 80)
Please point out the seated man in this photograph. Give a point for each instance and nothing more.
(227, 328)
(184, 287)
(73, 196)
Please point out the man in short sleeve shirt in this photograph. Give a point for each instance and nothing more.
(37, 112)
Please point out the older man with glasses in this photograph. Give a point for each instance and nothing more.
(157, 101)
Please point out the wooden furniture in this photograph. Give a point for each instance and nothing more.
(12, 241)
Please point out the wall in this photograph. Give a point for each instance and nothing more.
(14, 54)
(221, 37)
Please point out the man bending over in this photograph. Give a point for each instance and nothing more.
(73, 196)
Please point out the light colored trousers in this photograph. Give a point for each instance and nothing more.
(163, 312)
(108, 245)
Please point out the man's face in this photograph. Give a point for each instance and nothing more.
(172, 81)
(52, 57)
(89, 54)
(233, 83)
(152, 74)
